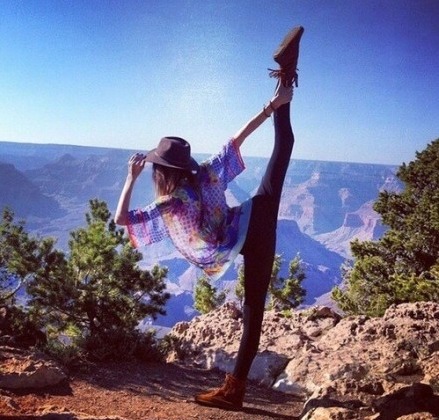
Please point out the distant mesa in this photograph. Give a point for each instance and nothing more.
(24, 197)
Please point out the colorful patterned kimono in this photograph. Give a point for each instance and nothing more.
(204, 229)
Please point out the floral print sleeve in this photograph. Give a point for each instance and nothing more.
(227, 164)
(146, 226)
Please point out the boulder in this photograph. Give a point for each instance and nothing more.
(24, 369)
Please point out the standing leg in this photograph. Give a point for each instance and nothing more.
(258, 251)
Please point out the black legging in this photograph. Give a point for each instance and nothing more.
(260, 243)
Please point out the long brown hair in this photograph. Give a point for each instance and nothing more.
(167, 179)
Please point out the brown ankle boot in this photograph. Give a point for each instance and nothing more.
(286, 56)
(229, 396)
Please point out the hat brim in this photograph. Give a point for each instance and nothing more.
(153, 157)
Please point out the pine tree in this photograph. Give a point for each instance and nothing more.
(12, 274)
(99, 289)
(286, 293)
(402, 266)
(23, 259)
(206, 297)
(239, 286)
(283, 293)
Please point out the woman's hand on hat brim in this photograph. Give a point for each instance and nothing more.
(136, 164)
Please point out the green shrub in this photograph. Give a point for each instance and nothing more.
(122, 345)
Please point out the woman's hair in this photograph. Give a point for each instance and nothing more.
(167, 179)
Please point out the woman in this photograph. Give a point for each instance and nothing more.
(191, 209)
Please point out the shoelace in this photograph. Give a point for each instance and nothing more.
(279, 74)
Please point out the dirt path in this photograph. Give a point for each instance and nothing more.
(142, 391)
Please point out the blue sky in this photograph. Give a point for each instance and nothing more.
(126, 73)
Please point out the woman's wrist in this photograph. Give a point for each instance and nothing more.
(275, 103)
(267, 110)
(130, 179)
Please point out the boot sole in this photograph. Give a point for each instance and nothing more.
(218, 404)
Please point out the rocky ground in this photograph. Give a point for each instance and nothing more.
(133, 391)
(312, 365)
(353, 367)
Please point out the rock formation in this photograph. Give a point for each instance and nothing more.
(353, 365)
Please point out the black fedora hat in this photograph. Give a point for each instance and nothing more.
(174, 152)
